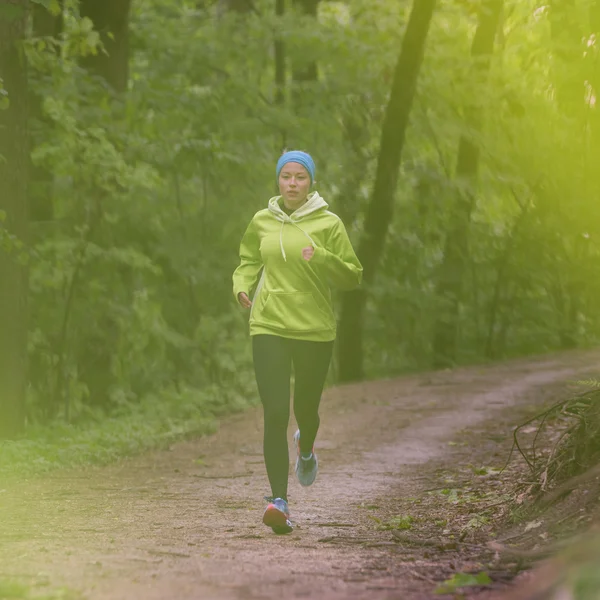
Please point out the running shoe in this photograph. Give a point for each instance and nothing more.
(277, 515)
(306, 468)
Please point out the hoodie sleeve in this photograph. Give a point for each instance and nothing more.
(338, 261)
(246, 274)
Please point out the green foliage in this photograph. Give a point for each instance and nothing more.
(576, 424)
(52, 6)
(477, 522)
(12, 590)
(4, 101)
(12, 12)
(533, 257)
(399, 522)
(156, 422)
(130, 282)
(462, 580)
(151, 191)
(585, 581)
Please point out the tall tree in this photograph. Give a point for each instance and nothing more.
(595, 16)
(304, 71)
(279, 49)
(594, 77)
(569, 82)
(568, 55)
(307, 71)
(380, 210)
(44, 24)
(111, 20)
(236, 6)
(456, 249)
(14, 167)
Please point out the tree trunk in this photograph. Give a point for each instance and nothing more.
(568, 55)
(450, 282)
(237, 6)
(280, 75)
(305, 73)
(309, 71)
(569, 81)
(380, 209)
(355, 120)
(111, 20)
(45, 24)
(595, 16)
(502, 279)
(594, 74)
(14, 167)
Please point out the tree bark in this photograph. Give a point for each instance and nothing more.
(570, 78)
(568, 56)
(279, 50)
(111, 20)
(304, 73)
(14, 167)
(380, 210)
(503, 278)
(237, 6)
(309, 71)
(456, 249)
(595, 16)
(44, 24)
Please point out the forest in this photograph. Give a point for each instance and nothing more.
(459, 141)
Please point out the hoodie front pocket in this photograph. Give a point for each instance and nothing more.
(294, 311)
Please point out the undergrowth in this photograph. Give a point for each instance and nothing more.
(563, 456)
(156, 422)
(566, 441)
(12, 590)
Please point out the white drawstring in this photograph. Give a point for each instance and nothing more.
(281, 241)
(283, 221)
(304, 232)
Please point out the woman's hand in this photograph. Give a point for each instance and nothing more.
(244, 301)
(308, 252)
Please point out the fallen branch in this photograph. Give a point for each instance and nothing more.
(569, 485)
(575, 448)
(535, 554)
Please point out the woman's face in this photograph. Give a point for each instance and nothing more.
(294, 185)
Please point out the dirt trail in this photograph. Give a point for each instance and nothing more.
(186, 523)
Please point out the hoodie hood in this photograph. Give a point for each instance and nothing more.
(314, 203)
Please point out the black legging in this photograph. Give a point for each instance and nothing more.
(273, 358)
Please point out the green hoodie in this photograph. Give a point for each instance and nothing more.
(293, 296)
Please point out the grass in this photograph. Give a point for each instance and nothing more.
(566, 440)
(155, 423)
(399, 522)
(463, 580)
(12, 590)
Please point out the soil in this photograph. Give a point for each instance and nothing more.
(407, 496)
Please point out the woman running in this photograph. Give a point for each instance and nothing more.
(299, 249)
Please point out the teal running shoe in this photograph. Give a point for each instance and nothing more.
(306, 467)
(277, 516)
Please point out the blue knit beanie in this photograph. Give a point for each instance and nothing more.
(299, 157)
